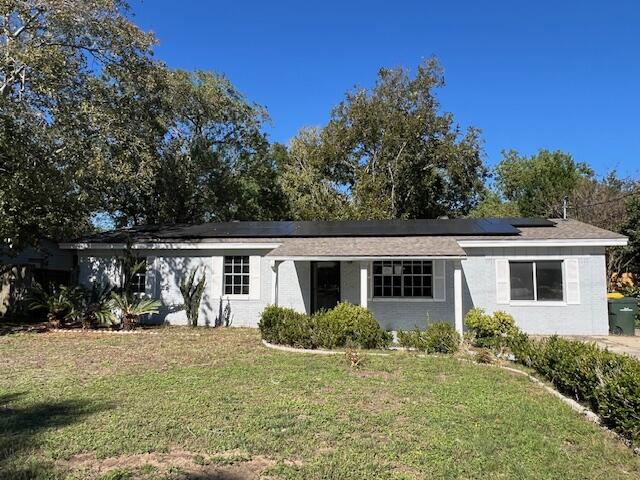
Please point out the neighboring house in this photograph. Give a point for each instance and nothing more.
(550, 274)
(44, 264)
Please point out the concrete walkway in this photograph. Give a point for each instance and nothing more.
(617, 343)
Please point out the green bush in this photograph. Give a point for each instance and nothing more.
(285, 326)
(442, 338)
(348, 324)
(618, 400)
(344, 325)
(492, 331)
(608, 382)
(439, 337)
(412, 339)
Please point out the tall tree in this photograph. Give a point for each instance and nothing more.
(491, 205)
(53, 54)
(396, 155)
(212, 160)
(307, 180)
(539, 183)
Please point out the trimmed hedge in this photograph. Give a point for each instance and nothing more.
(437, 338)
(608, 382)
(345, 325)
(492, 331)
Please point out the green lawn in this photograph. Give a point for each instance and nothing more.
(220, 405)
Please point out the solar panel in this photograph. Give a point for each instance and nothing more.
(350, 228)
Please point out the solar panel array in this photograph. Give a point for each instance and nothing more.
(348, 228)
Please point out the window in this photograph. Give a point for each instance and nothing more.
(236, 275)
(403, 278)
(537, 281)
(139, 280)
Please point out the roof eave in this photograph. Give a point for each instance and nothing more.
(548, 242)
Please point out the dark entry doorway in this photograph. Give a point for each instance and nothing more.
(325, 285)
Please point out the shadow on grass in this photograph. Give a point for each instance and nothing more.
(22, 427)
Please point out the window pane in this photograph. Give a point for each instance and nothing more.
(549, 280)
(521, 280)
(236, 278)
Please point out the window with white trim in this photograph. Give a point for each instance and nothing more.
(236, 275)
(139, 280)
(536, 280)
(403, 278)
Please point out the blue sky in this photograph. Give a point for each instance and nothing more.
(537, 74)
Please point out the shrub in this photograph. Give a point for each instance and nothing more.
(442, 338)
(491, 331)
(618, 400)
(341, 326)
(285, 326)
(608, 382)
(349, 324)
(412, 339)
(439, 337)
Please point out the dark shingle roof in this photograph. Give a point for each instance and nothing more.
(288, 229)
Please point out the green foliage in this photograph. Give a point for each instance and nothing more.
(345, 325)
(491, 331)
(538, 184)
(90, 123)
(491, 205)
(413, 339)
(97, 306)
(131, 309)
(60, 303)
(387, 152)
(192, 295)
(439, 337)
(307, 182)
(349, 324)
(285, 326)
(53, 127)
(608, 382)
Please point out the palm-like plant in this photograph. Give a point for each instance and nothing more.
(98, 307)
(61, 303)
(131, 309)
(192, 295)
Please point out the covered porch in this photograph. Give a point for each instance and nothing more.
(401, 291)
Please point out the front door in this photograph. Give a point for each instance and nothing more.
(325, 285)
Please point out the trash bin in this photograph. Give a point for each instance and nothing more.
(622, 315)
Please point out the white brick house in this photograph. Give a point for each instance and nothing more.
(550, 274)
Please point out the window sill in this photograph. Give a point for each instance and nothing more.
(406, 299)
(533, 303)
(236, 297)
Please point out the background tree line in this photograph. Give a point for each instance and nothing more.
(92, 124)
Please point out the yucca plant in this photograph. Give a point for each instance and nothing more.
(192, 295)
(61, 303)
(131, 309)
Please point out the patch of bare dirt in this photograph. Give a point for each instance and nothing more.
(181, 464)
